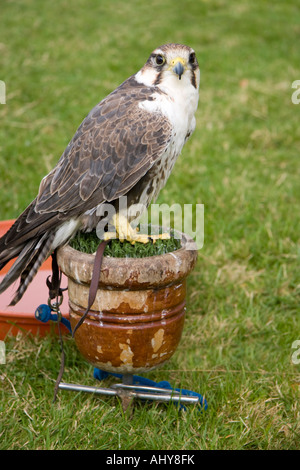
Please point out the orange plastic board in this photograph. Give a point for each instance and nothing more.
(21, 316)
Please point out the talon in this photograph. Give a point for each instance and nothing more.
(161, 236)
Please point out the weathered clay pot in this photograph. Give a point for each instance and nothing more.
(136, 321)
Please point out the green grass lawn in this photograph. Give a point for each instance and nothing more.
(242, 163)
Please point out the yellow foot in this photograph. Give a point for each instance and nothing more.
(160, 236)
(124, 231)
(110, 236)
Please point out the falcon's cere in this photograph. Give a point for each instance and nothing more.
(126, 146)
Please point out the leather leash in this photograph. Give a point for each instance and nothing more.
(55, 291)
(94, 282)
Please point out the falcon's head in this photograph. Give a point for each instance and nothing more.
(170, 63)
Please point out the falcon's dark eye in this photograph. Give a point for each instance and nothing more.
(159, 59)
(192, 58)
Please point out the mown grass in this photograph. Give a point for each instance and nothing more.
(242, 163)
(89, 242)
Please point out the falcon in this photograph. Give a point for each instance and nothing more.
(126, 146)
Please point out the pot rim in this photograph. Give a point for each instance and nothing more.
(123, 272)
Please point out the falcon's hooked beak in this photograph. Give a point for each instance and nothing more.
(178, 66)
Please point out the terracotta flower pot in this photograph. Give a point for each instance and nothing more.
(136, 321)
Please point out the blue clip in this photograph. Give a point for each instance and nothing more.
(44, 313)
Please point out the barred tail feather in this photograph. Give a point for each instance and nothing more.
(32, 268)
(24, 257)
(26, 266)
